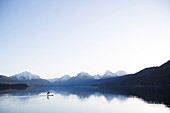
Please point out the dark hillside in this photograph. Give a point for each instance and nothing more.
(149, 77)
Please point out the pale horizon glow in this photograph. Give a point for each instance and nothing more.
(55, 38)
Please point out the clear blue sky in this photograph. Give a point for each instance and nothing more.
(52, 38)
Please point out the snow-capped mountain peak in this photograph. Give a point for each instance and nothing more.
(121, 73)
(25, 76)
(81, 74)
(109, 74)
(61, 79)
(65, 78)
(52, 80)
(97, 77)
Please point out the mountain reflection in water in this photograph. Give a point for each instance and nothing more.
(148, 95)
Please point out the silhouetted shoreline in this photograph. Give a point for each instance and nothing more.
(18, 86)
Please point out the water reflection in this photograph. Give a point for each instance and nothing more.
(48, 97)
(148, 95)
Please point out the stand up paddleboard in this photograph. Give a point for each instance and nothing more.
(50, 95)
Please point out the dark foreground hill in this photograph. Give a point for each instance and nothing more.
(158, 77)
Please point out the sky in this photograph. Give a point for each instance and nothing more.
(52, 38)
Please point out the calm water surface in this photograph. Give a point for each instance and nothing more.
(75, 100)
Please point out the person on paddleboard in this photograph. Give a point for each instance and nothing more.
(48, 93)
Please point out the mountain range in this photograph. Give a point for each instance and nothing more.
(158, 76)
(82, 77)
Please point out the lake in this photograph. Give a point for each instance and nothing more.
(81, 100)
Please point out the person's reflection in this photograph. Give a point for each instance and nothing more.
(48, 97)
